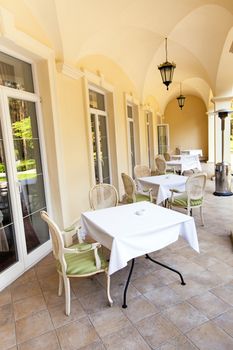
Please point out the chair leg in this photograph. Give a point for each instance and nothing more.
(202, 218)
(108, 289)
(60, 287)
(67, 294)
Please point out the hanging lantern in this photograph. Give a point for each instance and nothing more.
(167, 69)
(181, 99)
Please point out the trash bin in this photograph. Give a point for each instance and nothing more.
(222, 180)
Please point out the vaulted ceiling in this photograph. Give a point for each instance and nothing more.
(132, 34)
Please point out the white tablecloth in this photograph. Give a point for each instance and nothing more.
(133, 230)
(192, 152)
(162, 184)
(185, 162)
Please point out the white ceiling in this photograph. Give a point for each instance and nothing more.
(132, 33)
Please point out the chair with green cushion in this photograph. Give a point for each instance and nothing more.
(161, 165)
(79, 260)
(131, 195)
(192, 197)
(103, 196)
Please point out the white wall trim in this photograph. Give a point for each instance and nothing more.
(98, 79)
(69, 71)
(222, 99)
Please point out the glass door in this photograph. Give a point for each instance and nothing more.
(28, 167)
(24, 237)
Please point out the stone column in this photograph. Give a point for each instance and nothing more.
(222, 103)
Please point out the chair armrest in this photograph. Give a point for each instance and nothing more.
(70, 231)
(175, 190)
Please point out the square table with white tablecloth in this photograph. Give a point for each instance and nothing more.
(162, 184)
(133, 230)
(192, 152)
(184, 162)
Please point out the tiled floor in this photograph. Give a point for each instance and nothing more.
(162, 314)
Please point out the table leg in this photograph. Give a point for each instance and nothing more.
(167, 267)
(127, 284)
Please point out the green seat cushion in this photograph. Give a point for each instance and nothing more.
(82, 264)
(181, 201)
(142, 197)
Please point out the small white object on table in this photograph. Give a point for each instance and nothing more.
(162, 184)
(133, 230)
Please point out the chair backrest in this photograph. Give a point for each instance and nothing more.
(160, 164)
(195, 185)
(141, 171)
(103, 196)
(129, 186)
(56, 235)
(167, 156)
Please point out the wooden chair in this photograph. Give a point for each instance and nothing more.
(78, 260)
(131, 195)
(103, 196)
(192, 197)
(141, 171)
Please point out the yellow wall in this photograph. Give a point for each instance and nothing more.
(188, 127)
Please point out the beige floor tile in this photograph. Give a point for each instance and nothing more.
(178, 343)
(205, 260)
(163, 297)
(50, 282)
(225, 293)
(52, 298)
(58, 316)
(33, 326)
(139, 308)
(28, 276)
(46, 341)
(156, 330)
(6, 314)
(83, 286)
(191, 288)
(117, 294)
(209, 336)
(77, 334)
(147, 283)
(98, 345)
(29, 306)
(5, 296)
(127, 338)
(184, 316)
(109, 320)
(209, 304)
(7, 335)
(25, 290)
(225, 321)
(44, 271)
(94, 302)
(208, 279)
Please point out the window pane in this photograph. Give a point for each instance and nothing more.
(96, 100)
(15, 73)
(94, 143)
(8, 249)
(130, 112)
(29, 170)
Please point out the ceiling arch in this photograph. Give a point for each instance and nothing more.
(132, 33)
